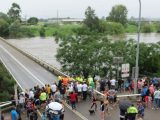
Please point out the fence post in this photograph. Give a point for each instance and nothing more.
(15, 94)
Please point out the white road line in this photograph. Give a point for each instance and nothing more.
(75, 112)
(21, 65)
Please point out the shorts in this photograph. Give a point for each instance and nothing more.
(146, 99)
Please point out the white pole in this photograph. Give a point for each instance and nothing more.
(15, 94)
(137, 50)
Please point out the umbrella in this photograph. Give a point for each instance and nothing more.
(123, 105)
(54, 107)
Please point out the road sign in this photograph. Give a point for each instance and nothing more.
(125, 70)
(125, 75)
(117, 60)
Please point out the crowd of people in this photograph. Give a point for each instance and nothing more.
(73, 91)
(149, 90)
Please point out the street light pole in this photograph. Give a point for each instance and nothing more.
(137, 50)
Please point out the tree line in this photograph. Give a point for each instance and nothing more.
(12, 25)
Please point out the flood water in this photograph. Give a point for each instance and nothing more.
(46, 48)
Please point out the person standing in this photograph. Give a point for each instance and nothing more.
(79, 89)
(73, 100)
(53, 88)
(102, 86)
(21, 102)
(140, 110)
(14, 114)
(84, 90)
(1, 116)
(113, 83)
(156, 98)
(94, 102)
(102, 110)
(57, 96)
(131, 112)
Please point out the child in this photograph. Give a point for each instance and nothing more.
(90, 92)
(102, 110)
(43, 116)
(140, 110)
(94, 102)
(150, 101)
(73, 100)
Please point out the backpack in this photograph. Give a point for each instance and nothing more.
(145, 91)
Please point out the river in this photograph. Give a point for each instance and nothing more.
(46, 48)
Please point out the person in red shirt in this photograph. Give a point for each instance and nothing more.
(73, 100)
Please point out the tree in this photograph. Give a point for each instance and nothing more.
(32, 20)
(4, 17)
(4, 31)
(15, 30)
(14, 12)
(113, 28)
(84, 55)
(118, 14)
(91, 20)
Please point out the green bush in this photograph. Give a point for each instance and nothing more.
(16, 30)
(157, 26)
(42, 32)
(6, 84)
(4, 31)
(113, 28)
(146, 28)
(131, 28)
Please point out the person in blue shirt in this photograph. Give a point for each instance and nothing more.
(140, 110)
(14, 114)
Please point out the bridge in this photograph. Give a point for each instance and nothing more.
(29, 71)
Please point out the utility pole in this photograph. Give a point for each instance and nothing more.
(137, 50)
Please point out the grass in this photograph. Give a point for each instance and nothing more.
(131, 29)
(50, 29)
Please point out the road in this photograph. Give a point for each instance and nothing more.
(28, 73)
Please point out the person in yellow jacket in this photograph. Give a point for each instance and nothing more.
(131, 112)
(43, 97)
(90, 79)
(60, 78)
(79, 79)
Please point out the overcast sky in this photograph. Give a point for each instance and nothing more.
(76, 8)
